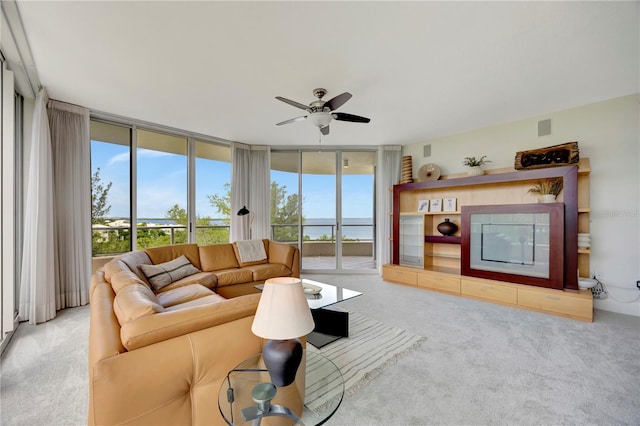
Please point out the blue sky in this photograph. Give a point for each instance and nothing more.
(162, 182)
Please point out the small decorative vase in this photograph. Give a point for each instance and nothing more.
(548, 198)
(475, 171)
(447, 228)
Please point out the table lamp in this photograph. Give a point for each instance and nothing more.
(283, 315)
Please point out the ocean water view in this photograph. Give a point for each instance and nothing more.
(352, 228)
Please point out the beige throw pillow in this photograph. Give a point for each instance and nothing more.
(164, 274)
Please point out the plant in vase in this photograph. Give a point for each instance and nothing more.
(475, 165)
(548, 189)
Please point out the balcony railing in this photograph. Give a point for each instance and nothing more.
(112, 240)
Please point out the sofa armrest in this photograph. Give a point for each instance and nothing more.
(155, 328)
(286, 255)
(175, 381)
(104, 339)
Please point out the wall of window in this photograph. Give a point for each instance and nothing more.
(152, 188)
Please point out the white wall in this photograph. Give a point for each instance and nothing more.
(608, 133)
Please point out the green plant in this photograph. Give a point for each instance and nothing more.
(547, 186)
(473, 162)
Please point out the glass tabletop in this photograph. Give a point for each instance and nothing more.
(328, 295)
(313, 397)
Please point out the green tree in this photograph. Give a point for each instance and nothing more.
(222, 203)
(99, 195)
(284, 210)
(205, 232)
(178, 214)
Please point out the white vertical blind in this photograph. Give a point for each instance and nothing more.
(8, 203)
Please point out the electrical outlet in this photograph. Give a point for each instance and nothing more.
(597, 276)
(598, 291)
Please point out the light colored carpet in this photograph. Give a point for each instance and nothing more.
(482, 364)
(370, 347)
(44, 374)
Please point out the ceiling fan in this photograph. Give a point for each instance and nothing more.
(322, 112)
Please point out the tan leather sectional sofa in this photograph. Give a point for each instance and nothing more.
(159, 356)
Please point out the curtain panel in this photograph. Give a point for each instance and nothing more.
(56, 263)
(37, 290)
(70, 148)
(260, 191)
(388, 174)
(250, 188)
(240, 166)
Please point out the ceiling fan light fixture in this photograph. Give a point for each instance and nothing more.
(320, 119)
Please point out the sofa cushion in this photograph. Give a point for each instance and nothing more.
(269, 270)
(254, 253)
(121, 278)
(183, 294)
(167, 253)
(135, 301)
(234, 276)
(163, 274)
(212, 298)
(114, 267)
(134, 259)
(207, 279)
(281, 253)
(217, 256)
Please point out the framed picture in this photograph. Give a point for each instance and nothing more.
(450, 204)
(435, 205)
(423, 205)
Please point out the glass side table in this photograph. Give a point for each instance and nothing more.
(246, 396)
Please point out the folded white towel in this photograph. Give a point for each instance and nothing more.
(251, 250)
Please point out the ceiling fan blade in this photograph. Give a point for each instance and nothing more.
(294, 103)
(324, 130)
(293, 120)
(341, 116)
(338, 101)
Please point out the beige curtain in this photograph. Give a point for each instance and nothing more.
(56, 260)
(70, 143)
(388, 174)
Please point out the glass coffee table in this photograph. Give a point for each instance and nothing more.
(332, 322)
(246, 396)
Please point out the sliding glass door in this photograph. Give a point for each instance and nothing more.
(319, 216)
(357, 208)
(323, 202)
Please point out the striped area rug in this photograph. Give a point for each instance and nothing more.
(370, 347)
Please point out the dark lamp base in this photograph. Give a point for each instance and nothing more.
(282, 359)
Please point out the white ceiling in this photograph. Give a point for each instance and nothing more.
(419, 70)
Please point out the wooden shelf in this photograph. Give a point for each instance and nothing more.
(584, 251)
(449, 239)
(457, 212)
(443, 255)
(584, 210)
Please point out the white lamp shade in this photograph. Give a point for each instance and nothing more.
(283, 311)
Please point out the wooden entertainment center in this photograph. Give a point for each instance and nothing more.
(440, 268)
